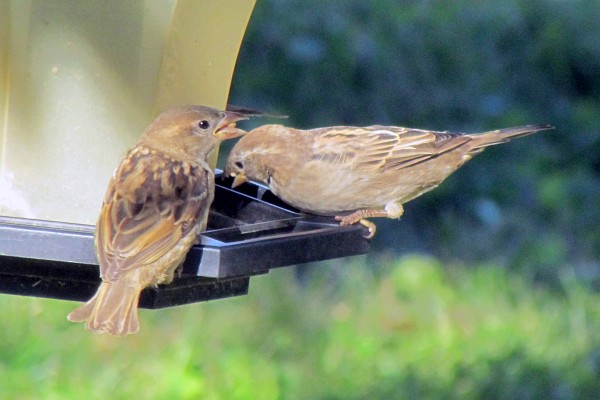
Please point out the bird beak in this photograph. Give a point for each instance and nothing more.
(227, 129)
(238, 180)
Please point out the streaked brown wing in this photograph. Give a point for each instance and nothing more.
(381, 148)
(152, 202)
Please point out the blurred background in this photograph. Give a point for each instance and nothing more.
(469, 67)
(487, 286)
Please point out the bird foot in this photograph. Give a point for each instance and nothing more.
(360, 217)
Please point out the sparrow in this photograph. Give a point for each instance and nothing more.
(355, 173)
(155, 206)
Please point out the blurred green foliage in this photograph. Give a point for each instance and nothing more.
(468, 66)
(416, 329)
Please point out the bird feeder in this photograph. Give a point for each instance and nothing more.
(79, 82)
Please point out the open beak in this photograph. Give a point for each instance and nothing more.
(238, 180)
(227, 129)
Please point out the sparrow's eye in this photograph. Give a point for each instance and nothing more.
(239, 164)
(204, 124)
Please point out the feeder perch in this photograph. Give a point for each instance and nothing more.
(249, 232)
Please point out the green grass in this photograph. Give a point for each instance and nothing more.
(414, 329)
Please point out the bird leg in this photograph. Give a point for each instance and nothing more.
(178, 271)
(359, 216)
(392, 210)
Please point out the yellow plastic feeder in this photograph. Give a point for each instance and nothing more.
(80, 80)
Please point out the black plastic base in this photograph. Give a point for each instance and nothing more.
(79, 282)
(249, 232)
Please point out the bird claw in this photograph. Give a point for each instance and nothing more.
(370, 226)
(357, 217)
(345, 220)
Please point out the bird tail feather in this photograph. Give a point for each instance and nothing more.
(498, 136)
(112, 310)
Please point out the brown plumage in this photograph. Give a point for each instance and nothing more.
(356, 173)
(156, 204)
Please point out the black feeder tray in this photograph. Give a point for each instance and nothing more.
(249, 232)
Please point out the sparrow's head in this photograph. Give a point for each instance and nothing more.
(256, 155)
(192, 131)
(244, 164)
